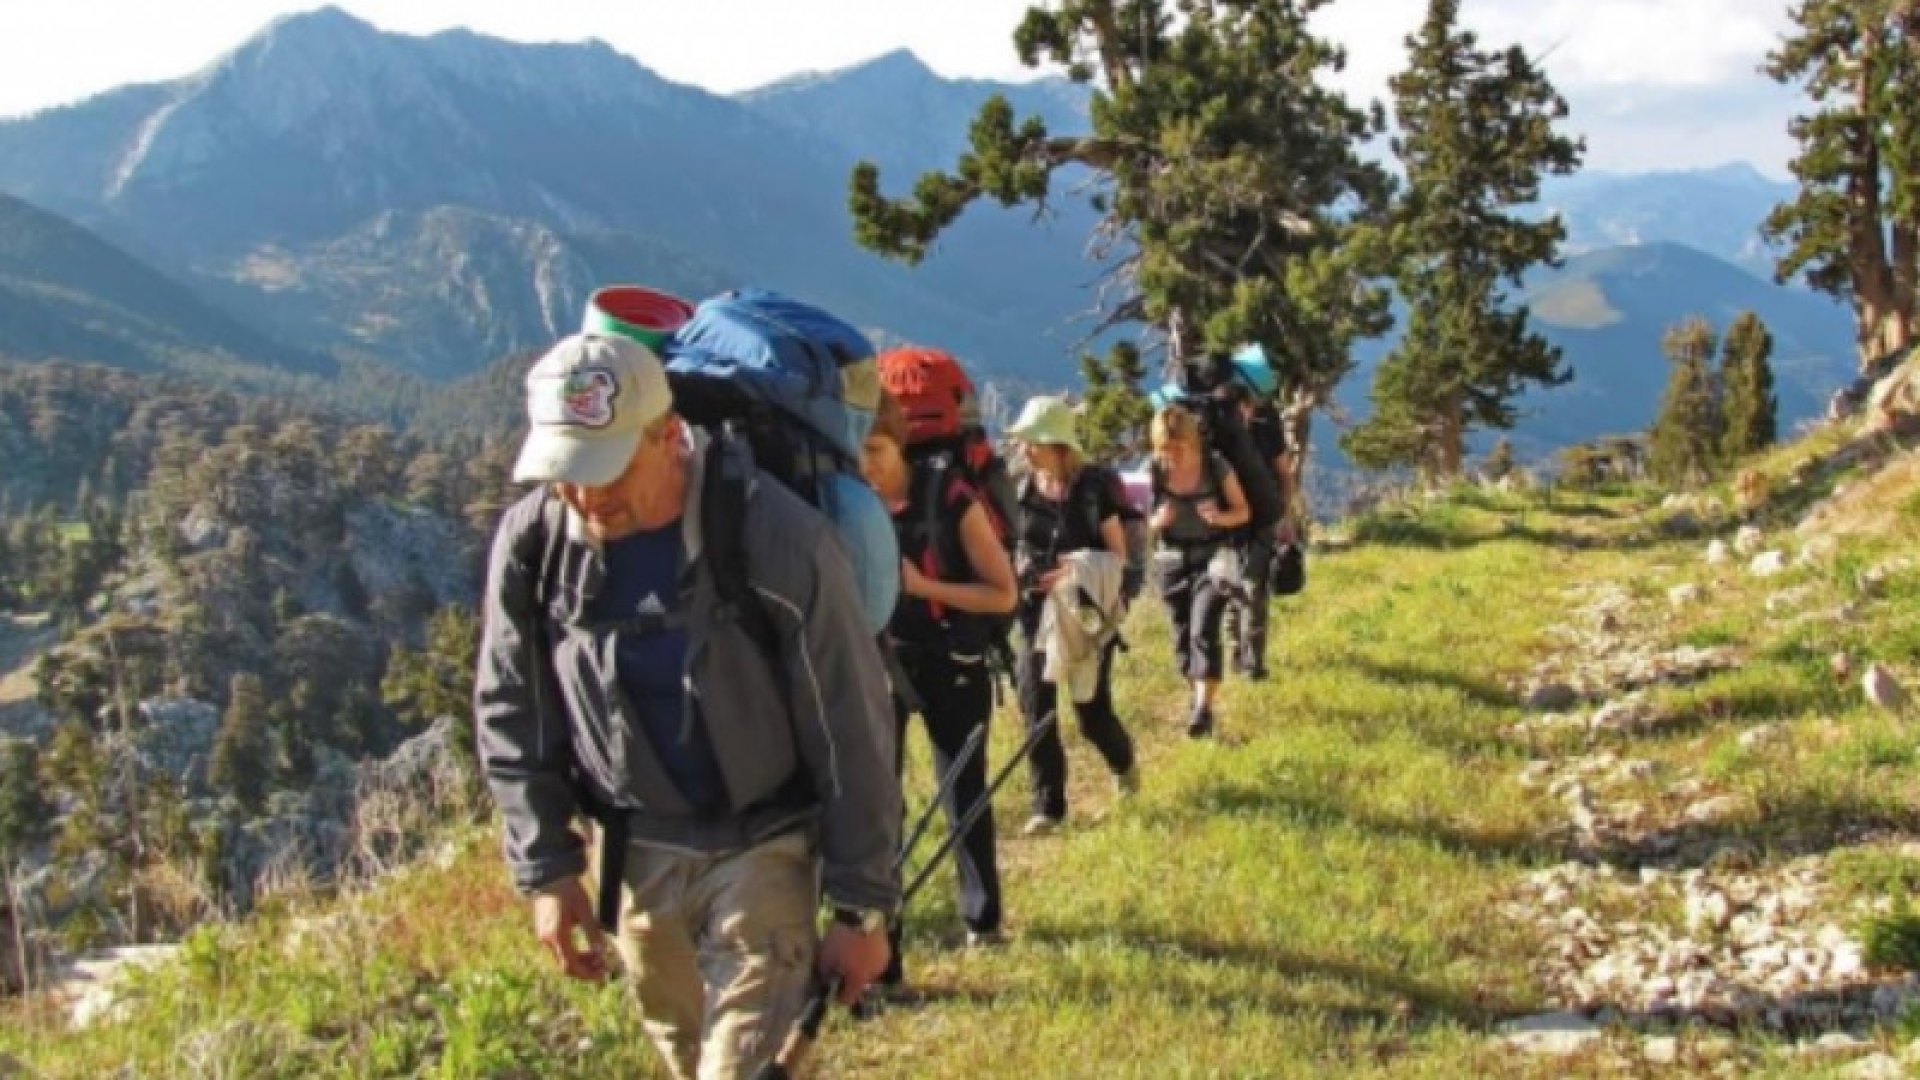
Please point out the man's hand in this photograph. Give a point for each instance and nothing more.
(562, 917)
(854, 957)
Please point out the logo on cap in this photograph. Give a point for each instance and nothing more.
(581, 398)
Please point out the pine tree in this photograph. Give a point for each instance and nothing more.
(1476, 136)
(1853, 230)
(1235, 200)
(1748, 406)
(1114, 418)
(436, 680)
(24, 809)
(1686, 433)
(239, 762)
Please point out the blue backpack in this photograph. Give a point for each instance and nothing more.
(800, 387)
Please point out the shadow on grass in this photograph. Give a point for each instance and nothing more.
(1517, 845)
(1465, 735)
(1482, 691)
(1408, 1003)
(1745, 1008)
(1781, 830)
(1710, 707)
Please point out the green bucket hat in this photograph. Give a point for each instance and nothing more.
(1047, 421)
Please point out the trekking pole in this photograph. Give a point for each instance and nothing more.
(793, 1053)
(941, 790)
(978, 809)
(806, 1030)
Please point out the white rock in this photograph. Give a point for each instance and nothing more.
(1747, 540)
(1551, 1033)
(1682, 595)
(1836, 1044)
(1875, 1067)
(1661, 1050)
(1708, 911)
(1767, 564)
(1717, 553)
(1763, 735)
(1715, 809)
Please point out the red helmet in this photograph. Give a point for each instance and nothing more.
(933, 390)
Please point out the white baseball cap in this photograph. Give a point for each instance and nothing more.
(589, 399)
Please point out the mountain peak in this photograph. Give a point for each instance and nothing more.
(899, 67)
(896, 62)
(330, 24)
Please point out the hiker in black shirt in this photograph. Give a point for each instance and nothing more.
(1247, 609)
(1066, 505)
(954, 568)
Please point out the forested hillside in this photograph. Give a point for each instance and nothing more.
(250, 598)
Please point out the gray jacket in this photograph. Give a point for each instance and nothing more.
(806, 736)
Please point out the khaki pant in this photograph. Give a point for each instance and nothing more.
(719, 951)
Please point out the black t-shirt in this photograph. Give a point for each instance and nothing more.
(931, 541)
(1050, 529)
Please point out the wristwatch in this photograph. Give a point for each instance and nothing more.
(865, 920)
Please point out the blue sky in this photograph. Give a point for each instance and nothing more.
(1652, 83)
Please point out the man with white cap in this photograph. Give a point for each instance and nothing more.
(735, 762)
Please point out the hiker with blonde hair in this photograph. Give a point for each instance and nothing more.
(1198, 503)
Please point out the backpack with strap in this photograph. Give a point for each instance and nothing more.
(945, 436)
(938, 484)
(943, 421)
(799, 386)
(1197, 384)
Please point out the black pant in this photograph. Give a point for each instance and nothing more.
(1250, 604)
(1195, 603)
(957, 695)
(1039, 700)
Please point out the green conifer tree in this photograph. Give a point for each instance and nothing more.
(1114, 417)
(1748, 405)
(1853, 229)
(1227, 170)
(1684, 442)
(240, 761)
(1476, 136)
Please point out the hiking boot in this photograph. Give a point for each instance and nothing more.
(1041, 825)
(1127, 784)
(1200, 724)
(1255, 674)
(986, 939)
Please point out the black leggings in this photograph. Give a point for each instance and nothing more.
(1250, 629)
(1039, 700)
(1194, 604)
(957, 696)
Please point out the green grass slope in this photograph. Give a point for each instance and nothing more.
(1329, 890)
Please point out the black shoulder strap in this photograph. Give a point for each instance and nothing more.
(1217, 469)
(1086, 488)
(551, 523)
(949, 548)
(725, 482)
